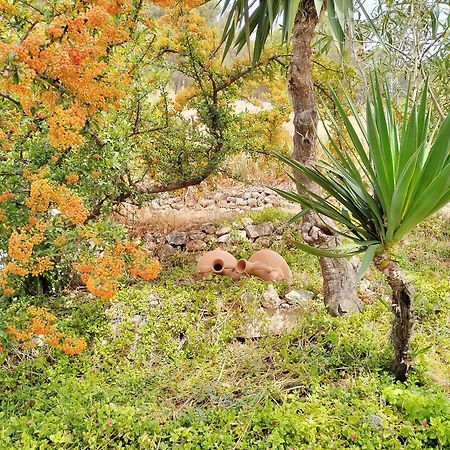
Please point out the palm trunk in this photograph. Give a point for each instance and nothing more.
(402, 327)
(339, 278)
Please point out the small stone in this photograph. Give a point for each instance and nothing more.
(375, 421)
(153, 300)
(241, 202)
(159, 238)
(252, 231)
(223, 230)
(206, 202)
(223, 204)
(177, 205)
(137, 319)
(38, 341)
(165, 251)
(274, 199)
(197, 235)
(252, 202)
(177, 238)
(247, 221)
(237, 225)
(265, 229)
(263, 241)
(205, 226)
(247, 194)
(224, 238)
(195, 245)
(210, 230)
(255, 194)
(231, 199)
(299, 296)
(271, 299)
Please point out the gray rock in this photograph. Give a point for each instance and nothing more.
(206, 202)
(177, 238)
(263, 241)
(271, 299)
(265, 229)
(223, 230)
(165, 251)
(223, 204)
(224, 238)
(252, 231)
(153, 300)
(252, 202)
(247, 221)
(211, 230)
(159, 238)
(38, 341)
(299, 296)
(375, 421)
(247, 194)
(241, 202)
(196, 245)
(197, 235)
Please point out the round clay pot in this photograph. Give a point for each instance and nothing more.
(266, 265)
(219, 262)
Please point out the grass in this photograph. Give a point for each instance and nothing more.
(170, 374)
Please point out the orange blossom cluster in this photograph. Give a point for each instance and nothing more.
(40, 328)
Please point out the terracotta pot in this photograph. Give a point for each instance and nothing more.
(219, 262)
(266, 265)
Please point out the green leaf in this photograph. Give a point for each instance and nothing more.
(366, 261)
(329, 253)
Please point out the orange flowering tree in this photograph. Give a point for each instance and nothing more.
(88, 120)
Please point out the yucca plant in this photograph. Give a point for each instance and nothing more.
(378, 187)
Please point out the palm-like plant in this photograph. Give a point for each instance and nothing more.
(377, 195)
(260, 17)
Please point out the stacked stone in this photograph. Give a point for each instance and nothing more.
(223, 199)
(208, 235)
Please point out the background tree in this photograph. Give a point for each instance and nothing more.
(299, 21)
(406, 43)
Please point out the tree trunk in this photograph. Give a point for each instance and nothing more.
(339, 277)
(402, 327)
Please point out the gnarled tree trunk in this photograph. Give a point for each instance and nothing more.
(339, 278)
(402, 327)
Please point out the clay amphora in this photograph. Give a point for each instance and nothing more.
(219, 262)
(266, 265)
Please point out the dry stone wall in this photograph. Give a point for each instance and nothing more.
(209, 235)
(236, 198)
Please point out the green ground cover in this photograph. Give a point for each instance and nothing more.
(184, 381)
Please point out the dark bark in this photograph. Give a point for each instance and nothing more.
(340, 293)
(402, 326)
